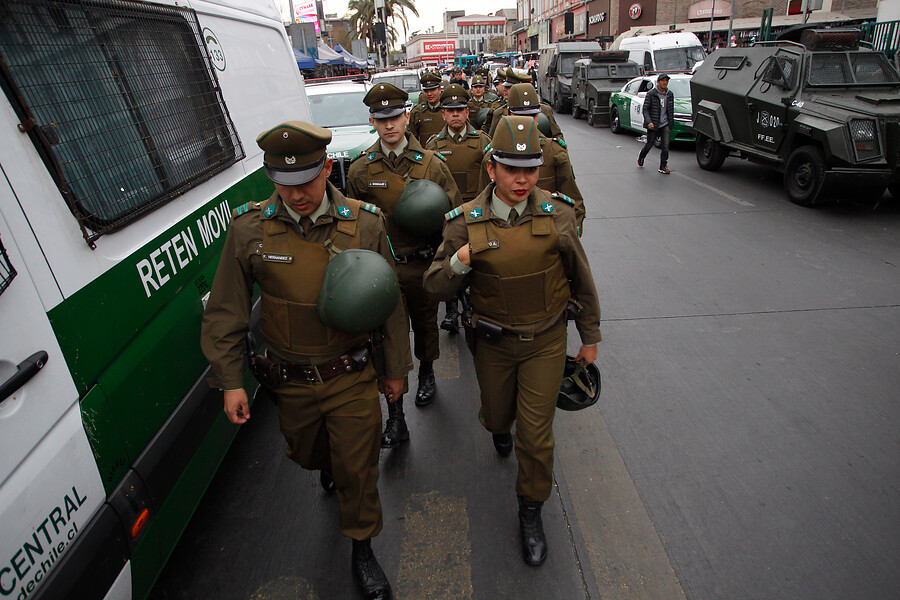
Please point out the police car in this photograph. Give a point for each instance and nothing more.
(626, 106)
(338, 105)
(405, 79)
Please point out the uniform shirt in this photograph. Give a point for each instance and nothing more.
(442, 282)
(226, 319)
(398, 151)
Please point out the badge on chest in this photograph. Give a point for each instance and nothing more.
(378, 184)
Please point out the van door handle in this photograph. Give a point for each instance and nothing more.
(27, 369)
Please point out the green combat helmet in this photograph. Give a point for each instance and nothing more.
(580, 386)
(481, 116)
(359, 293)
(543, 123)
(421, 208)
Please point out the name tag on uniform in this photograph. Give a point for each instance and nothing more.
(446, 152)
(378, 184)
(493, 243)
(279, 258)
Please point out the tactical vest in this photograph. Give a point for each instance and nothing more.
(517, 275)
(464, 161)
(428, 123)
(291, 277)
(547, 171)
(385, 187)
(475, 106)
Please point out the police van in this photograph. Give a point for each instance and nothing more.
(128, 135)
(667, 51)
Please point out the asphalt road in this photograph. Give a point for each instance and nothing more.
(746, 444)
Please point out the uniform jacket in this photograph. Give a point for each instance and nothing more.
(555, 175)
(463, 159)
(425, 121)
(378, 179)
(443, 283)
(227, 316)
(555, 131)
(653, 104)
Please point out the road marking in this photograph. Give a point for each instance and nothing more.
(734, 199)
(285, 588)
(436, 560)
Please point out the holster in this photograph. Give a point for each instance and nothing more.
(376, 345)
(573, 309)
(466, 319)
(267, 371)
(488, 330)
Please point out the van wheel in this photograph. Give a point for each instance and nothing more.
(804, 175)
(577, 113)
(710, 153)
(614, 125)
(558, 104)
(591, 117)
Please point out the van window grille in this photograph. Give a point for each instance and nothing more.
(7, 271)
(121, 101)
(780, 72)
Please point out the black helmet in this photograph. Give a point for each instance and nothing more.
(580, 386)
(543, 123)
(359, 293)
(421, 207)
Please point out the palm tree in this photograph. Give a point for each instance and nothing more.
(363, 19)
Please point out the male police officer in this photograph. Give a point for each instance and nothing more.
(425, 117)
(463, 147)
(516, 77)
(500, 102)
(477, 101)
(322, 378)
(518, 250)
(378, 176)
(555, 174)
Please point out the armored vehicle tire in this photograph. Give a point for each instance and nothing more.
(614, 125)
(710, 153)
(591, 117)
(894, 189)
(558, 106)
(577, 113)
(804, 175)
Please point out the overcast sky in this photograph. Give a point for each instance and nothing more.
(431, 11)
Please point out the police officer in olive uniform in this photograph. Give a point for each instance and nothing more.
(322, 378)
(378, 176)
(516, 77)
(500, 102)
(463, 146)
(477, 101)
(555, 173)
(517, 249)
(425, 117)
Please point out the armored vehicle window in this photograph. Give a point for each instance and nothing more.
(566, 62)
(780, 72)
(679, 59)
(829, 68)
(120, 100)
(626, 71)
(872, 67)
(599, 72)
(730, 62)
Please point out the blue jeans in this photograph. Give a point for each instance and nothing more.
(663, 134)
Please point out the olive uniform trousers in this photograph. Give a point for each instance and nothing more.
(519, 383)
(422, 309)
(337, 424)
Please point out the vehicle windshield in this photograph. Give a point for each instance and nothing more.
(339, 110)
(681, 88)
(678, 59)
(407, 83)
(851, 68)
(566, 63)
(621, 71)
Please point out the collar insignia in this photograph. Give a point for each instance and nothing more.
(344, 211)
(418, 156)
(269, 211)
(371, 156)
(547, 207)
(475, 212)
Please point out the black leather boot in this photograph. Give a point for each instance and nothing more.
(425, 393)
(368, 574)
(531, 528)
(503, 443)
(451, 319)
(326, 478)
(395, 430)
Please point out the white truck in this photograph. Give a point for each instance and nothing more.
(128, 135)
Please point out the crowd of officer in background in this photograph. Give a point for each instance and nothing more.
(469, 197)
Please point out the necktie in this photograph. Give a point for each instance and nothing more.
(306, 223)
(513, 215)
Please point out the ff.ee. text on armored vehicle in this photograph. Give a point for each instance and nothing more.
(822, 109)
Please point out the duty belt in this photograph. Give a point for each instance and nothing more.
(421, 253)
(273, 372)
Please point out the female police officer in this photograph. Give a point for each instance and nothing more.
(517, 247)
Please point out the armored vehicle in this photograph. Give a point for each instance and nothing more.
(557, 61)
(594, 79)
(824, 109)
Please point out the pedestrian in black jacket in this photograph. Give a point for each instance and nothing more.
(659, 114)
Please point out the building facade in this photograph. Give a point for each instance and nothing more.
(431, 49)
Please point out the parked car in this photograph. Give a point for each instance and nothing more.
(822, 110)
(339, 106)
(594, 79)
(557, 61)
(626, 106)
(405, 79)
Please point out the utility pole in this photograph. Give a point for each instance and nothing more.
(380, 39)
(730, 25)
(712, 15)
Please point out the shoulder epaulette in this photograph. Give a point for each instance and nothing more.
(560, 141)
(440, 156)
(453, 214)
(244, 208)
(370, 208)
(487, 148)
(563, 197)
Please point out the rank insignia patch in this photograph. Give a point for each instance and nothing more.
(475, 212)
(547, 207)
(269, 211)
(344, 211)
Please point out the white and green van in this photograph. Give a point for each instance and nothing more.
(128, 135)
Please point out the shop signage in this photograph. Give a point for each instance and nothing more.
(635, 11)
(598, 18)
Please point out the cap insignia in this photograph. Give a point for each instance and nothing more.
(475, 212)
(344, 211)
(289, 160)
(521, 127)
(521, 147)
(547, 207)
(417, 156)
(285, 135)
(269, 211)
(526, 103)
(380, 87)
(384, 102)
(454, 97)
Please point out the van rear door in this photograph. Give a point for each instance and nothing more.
(49, 484)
